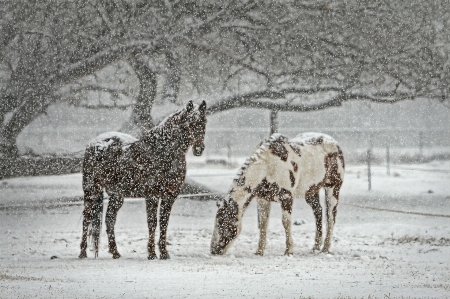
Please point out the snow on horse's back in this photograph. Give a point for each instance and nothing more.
(280, 170)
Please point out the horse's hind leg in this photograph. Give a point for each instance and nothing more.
(115, 203)
(263, 214)
(90, 198)
(92, 193)
(332, 202)
(164, 214)
(314, 202)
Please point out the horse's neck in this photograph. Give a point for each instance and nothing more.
(248, 178)
(168, 138)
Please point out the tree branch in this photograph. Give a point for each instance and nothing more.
(253, 100)
(98, 61)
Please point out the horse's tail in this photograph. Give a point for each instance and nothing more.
(95, 226)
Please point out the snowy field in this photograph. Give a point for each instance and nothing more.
(376, 253)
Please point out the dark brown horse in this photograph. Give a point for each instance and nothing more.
(153, 167)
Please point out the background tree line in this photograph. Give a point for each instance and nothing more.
(278, 55)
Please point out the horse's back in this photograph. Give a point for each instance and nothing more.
(104, 140)
(317, 152)
(327, 142)
(102, 155)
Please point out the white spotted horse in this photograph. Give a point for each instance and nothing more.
(153, 167)
(280, 170)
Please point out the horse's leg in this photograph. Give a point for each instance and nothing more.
(152, 220)
(88, 203)
(115, 203)
(332, 202)
(314, 202)
(92, 192)
(164, 214)
(263, 214)
(286, 206)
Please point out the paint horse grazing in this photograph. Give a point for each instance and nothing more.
(153, 167)
(280, 170)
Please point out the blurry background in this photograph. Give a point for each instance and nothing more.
(414, 131)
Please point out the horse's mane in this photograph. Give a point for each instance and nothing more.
(171, 121)
(264, 146)
(164, 128)
(167, 123)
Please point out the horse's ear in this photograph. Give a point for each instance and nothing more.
(202, 107)
(190, 106)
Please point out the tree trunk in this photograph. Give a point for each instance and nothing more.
(141, 115)
(273, 122)
(172, 85)
(34, 103)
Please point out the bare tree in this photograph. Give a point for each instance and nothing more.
(301, 57)
(283, 56)
(49, 44)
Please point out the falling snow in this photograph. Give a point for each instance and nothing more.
(372, 75)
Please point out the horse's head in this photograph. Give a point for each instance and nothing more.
(196, 124)
(227, 226)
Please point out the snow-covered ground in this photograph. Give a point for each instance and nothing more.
(376, 253)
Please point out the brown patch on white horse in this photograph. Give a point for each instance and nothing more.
(341, 156)
(267, 190)
(277, 148)
(295, 166)
(292, 178)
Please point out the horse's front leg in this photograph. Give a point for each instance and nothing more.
(263, 217)
(164, 214)
(287, 200)
(88, 202)
(152, 220)
(115, 203)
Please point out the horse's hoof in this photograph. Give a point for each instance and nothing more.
(82, 255)
(164, 256)
(116, 255)
(260, 253)
(288, 253)
(152, 256)
(315, 250)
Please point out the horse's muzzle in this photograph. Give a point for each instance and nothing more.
(216, 251)
(197, 150)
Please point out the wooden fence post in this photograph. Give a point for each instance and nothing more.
(421, 143)
(273, 122)
(369, 174)
(229, 154)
